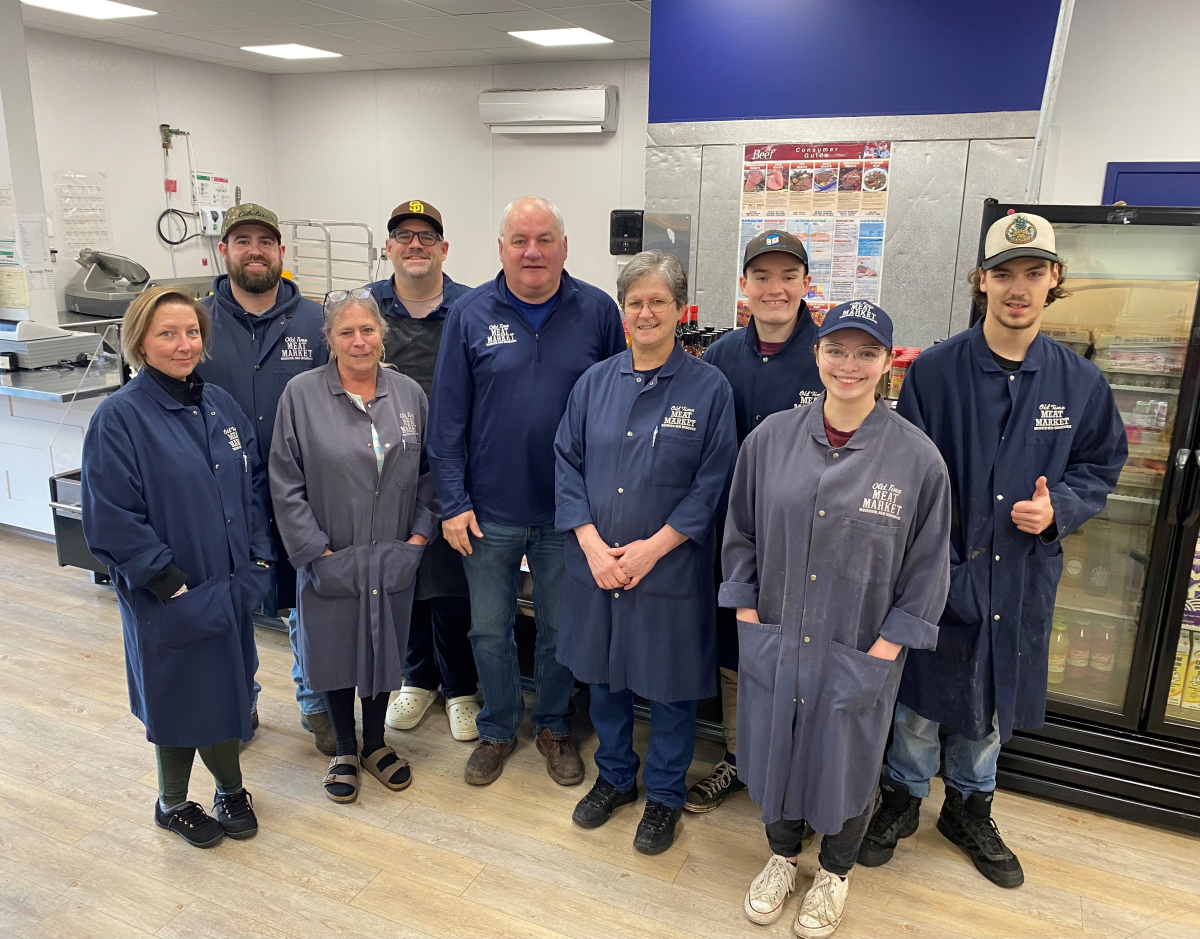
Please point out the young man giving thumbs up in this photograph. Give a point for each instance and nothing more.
(1034, 444)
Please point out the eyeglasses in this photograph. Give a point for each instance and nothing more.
(863, 355)
(403, 236)
(656, 306)
(337, 296)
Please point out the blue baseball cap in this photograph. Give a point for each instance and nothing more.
(858, 314)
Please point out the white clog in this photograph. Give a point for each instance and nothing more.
(462, 712)
(408, 707)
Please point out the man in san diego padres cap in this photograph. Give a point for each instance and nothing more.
(1034, 444)
(770, 366)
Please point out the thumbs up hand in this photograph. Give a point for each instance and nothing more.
(1037, 514)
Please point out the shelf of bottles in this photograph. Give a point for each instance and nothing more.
(1133, 294)
(1183, 698)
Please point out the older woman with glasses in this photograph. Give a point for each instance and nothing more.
(836, 557)
(644, 456)
(355, 507)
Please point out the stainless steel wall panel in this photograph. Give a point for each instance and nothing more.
(995, 168)
(673, 185)
(720, 211)
(992, 124)
(921, 238)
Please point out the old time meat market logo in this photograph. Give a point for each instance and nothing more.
(1053, 417)
(884, 500)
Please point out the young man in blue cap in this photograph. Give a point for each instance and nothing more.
(770, 366)
(1034, 444)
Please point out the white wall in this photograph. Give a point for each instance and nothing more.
(1130, 91)
(352, 145)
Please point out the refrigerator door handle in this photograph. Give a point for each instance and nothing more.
(1175, 497)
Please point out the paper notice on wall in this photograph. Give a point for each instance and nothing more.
(33, 248)
(83, 212)
(833, 197)
(8, 229)
(13, 291)
(210, 189)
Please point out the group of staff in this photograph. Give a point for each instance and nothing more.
(376, 470)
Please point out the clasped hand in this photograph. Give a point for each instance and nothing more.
(621, 566)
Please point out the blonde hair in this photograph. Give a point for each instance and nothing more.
(140, 314)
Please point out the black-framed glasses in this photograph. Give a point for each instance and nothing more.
(337, 296)
(863, 355)
(404, 236)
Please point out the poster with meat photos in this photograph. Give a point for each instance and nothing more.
(833, 197)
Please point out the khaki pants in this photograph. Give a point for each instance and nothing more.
(729, 682)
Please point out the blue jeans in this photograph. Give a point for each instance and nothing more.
(311, 702)
(493, 570)
(913, 756)
(672, 740)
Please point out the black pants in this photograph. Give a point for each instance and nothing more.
(838, 852)
(439, 652)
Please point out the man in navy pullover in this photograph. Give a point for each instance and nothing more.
(512, 350)
(263, 334)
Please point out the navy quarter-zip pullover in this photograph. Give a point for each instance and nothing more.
(764, 384)
(499, 392)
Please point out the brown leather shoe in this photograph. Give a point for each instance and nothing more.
(487, 762)
(563, 762)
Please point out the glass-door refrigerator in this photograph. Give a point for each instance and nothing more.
(1122, 727)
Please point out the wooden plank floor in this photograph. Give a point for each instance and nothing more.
(80, 855)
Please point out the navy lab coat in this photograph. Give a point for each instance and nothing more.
(998, 432)
(630, 456)
(765, 384)
(165, 483)
(499, 391)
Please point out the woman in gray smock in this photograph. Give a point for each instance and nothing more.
(836, 556)
(355, 507)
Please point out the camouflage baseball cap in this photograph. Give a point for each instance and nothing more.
(249, 212)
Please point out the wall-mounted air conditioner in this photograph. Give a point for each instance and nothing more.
(550, 110)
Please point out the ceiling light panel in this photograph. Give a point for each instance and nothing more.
(292, 50)
(560, 37)
(93, 9)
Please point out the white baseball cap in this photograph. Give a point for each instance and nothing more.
(1019, 235)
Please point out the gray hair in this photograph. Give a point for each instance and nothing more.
(654, 264)
(544, 204)
(336, 308)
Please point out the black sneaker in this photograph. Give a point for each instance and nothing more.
(656, 830)
(970, 825)
(897, 817)
(235, 813)
(714, 788)
(191, 823)
(597, 806)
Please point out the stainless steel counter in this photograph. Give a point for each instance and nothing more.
(61, 384)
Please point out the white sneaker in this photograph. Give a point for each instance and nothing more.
(408, 707)
(462, 712)
(821, 910)
(769, 891)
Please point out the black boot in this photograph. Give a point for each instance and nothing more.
(970, 825)
(897, 817)
(602, 800)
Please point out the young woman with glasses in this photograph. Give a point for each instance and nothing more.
(836, 559)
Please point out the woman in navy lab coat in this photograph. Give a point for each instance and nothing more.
(166, 460)
(644, 455)
(836, 557)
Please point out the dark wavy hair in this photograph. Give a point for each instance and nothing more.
(1058, 292)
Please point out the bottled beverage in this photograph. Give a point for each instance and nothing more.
(1098, 565)
(1191, 684)
(1103, 655)
(1060, 642)
(1125, 647)
(1179, 672)
(1078, 652)
(1073, 551)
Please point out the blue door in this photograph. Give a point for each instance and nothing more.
(1152, 184)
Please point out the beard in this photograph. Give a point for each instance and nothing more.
(259, 281)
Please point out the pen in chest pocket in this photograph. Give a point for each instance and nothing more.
(245, 463)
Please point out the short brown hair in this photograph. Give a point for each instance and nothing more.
(1058, 292)
(140, 314)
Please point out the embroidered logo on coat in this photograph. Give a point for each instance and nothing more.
(884, 500)
(680, 418)
(408, 423)
(1053, 417)
(807, 398)
(295, 349)
(235, 442)
(499, 334)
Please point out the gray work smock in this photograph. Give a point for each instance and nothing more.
(833, 548)
(354, 604)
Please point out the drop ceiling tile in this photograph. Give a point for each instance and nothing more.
(525, 19)
(533, 54)
(234, 38)
(467, 57)
(557, 4)
(217, 15)
(644, 4)
(381, 9)
(460, 7)
(607, 52)
(166, 23)
(402, 60)
(389, 37)
(93, 29)
(353, 63)
(295, 12)
(618, 21)
(643, 47)
(459, 32)
(319, 39)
